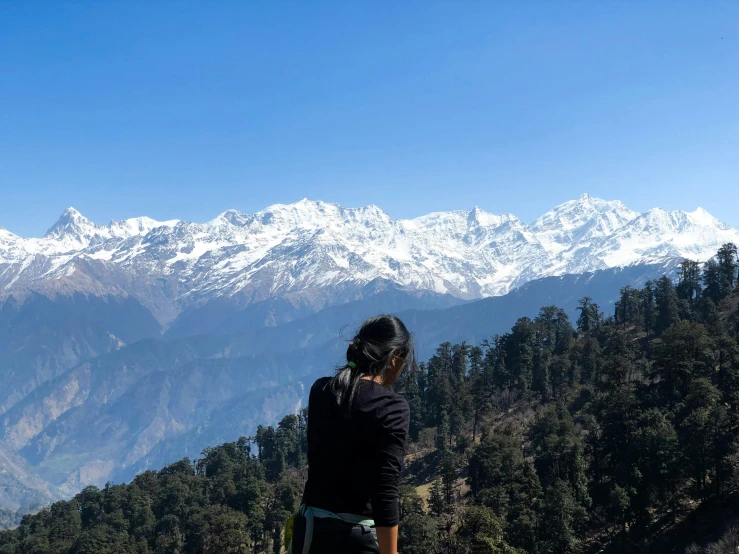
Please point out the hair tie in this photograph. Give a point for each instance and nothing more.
(351, 365)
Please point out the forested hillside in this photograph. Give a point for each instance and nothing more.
(615, 434)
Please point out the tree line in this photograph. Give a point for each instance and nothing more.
(556, 437)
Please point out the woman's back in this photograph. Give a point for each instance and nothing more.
(357, 427)
(354, 459)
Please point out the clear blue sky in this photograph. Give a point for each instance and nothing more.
(185, 109)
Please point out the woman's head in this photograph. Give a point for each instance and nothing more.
(381, 349)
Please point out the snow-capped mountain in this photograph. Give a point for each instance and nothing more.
(74, 232)
(314, 251)
(188, 334)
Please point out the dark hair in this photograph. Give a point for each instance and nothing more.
(371, 351)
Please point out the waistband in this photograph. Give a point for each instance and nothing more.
(348, 518)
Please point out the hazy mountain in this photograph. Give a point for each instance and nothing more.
(21, 490)
(155, 400)
(41, 337)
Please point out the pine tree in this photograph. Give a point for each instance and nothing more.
(413, 388)
(727, 351)
(540, 374)
(559, 511)
(728, 264)
(520, 346)
(443, 434)
(627, 307)
(713, 281)
(684, 355)
(437, 503)
(479, 388)
(617, 363)
(418, 535)
(559, 452)
(590, 315)
(448, 476)
(689, 280)
(648, 307)
(482, 532)
(667, 305)
(587, 355)
(699, 431)
(461, 402)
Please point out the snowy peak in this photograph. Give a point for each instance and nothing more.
(576, 213)
(678, 221)
(310, 214)
(311, 248)
(485, 219)
(73, 229)
(7, 239)
(134, 226)
(458, 222)
(231, 217)
(702, 217)
(580, 221)
(70, 222)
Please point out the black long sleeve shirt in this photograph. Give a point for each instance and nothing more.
(354, 463)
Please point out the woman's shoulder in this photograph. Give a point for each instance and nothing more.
(375, 391)
(320, 383)
(382, 402)
(319, 387)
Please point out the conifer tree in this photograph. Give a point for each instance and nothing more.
(684, 355)
(559, 452)
(713, 281)
(627, 307)
(590, 315)
(437, 503)
(557, 524)
(689, 281)
(728, 264)
(648, 307)
(479, 388)
(667, 305)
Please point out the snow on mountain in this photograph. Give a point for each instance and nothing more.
(136, 226)
(316, 250)
(660, 234)
(580, 220)
(73, 228)
(73, 231)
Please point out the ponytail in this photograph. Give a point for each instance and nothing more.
(370, 353)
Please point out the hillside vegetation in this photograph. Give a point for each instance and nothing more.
(617, 434)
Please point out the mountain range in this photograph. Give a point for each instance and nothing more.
(128, 346)
(315, 254)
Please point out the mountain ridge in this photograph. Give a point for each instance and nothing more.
(318, 253)
(129, 408)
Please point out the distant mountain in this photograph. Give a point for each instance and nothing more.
(480, 320)
(41, 337)
(128, 346)
(219, 316)
(21, 490)
(313, 254)
(147, 403)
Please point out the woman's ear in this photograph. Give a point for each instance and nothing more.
(396, 367)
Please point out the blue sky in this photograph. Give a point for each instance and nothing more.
(185, 109)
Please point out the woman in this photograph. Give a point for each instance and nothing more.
(357, 430)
